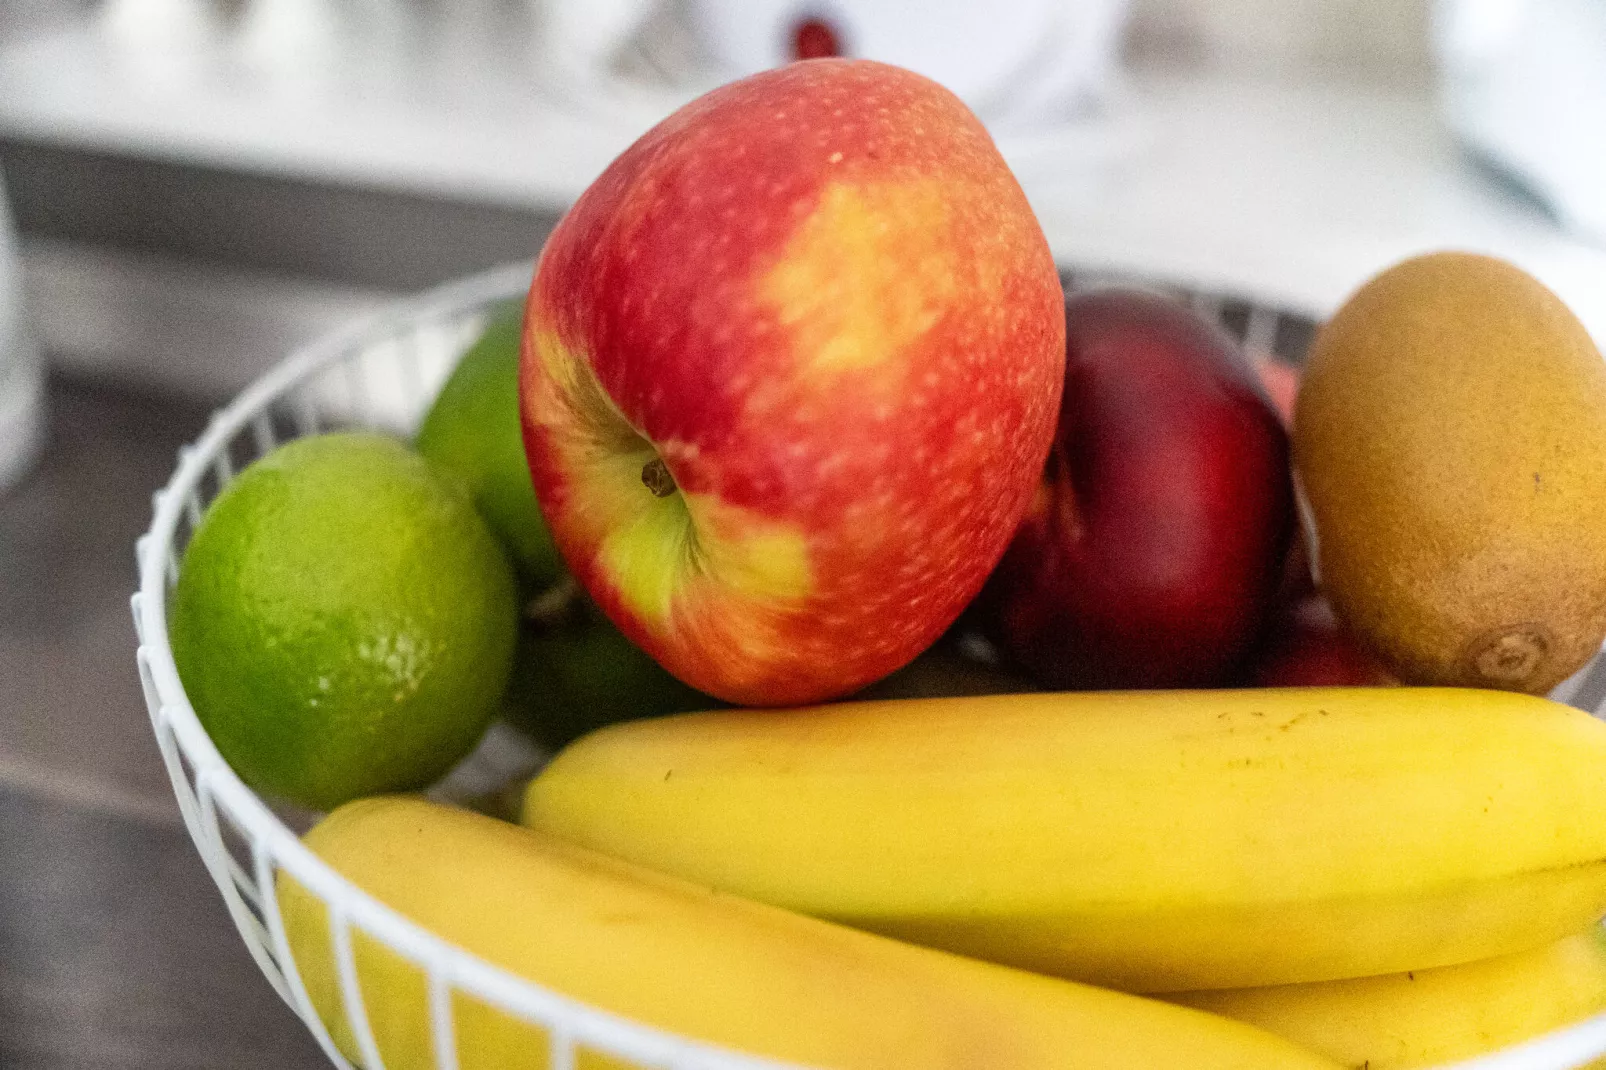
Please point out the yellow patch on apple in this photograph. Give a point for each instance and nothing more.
(656, 557)
(571, 397)
(867, 273)
(648, 547)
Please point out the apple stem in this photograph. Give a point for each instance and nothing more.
(656, 475)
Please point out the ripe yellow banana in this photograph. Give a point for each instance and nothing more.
(705, 965)
(1430, 1017)
(1152, 842)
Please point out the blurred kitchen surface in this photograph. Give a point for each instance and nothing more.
(217, 176)
(196, 186)
(116, 952)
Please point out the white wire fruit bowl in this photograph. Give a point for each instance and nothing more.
(382, 374)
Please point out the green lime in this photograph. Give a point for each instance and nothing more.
(473, 431)
(344, 622)
(574, 671)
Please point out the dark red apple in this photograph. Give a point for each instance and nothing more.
(1308, 647)
(1155, 544)
(1281, 382)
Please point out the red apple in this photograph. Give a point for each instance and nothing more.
(1281, 382)
(1309, 648)
(1156, 539)
(790, 371)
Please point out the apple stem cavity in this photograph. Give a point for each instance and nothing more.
(655, 474)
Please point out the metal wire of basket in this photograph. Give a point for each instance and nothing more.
(382, 374)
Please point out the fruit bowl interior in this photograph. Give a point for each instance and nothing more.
(382, 374)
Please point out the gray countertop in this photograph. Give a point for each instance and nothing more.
(116, 952)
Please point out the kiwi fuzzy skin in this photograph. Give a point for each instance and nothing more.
(1449, 445)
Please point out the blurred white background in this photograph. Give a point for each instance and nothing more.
(1386, 36)
(199, 183)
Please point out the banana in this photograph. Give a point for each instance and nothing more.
(705, 965)
(1146, 841)
(1430, 1017)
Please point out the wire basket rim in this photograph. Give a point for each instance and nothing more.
(275, 844)
(267, 833)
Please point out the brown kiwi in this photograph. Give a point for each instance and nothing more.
(1450, 447)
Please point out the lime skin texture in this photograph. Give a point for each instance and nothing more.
(343, 622)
